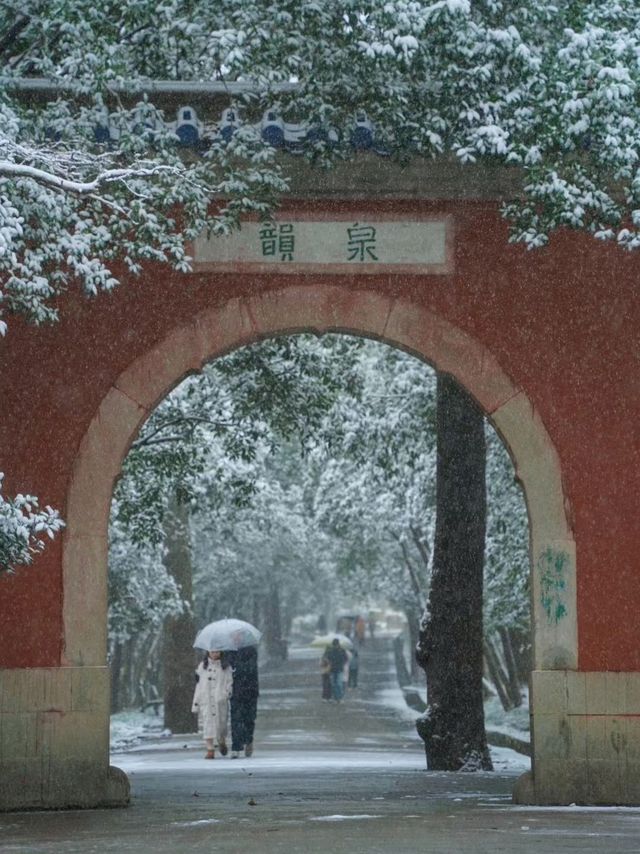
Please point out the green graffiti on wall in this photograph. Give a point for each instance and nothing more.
(552, 566)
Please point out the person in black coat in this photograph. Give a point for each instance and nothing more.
(337, 659)
(244, 699)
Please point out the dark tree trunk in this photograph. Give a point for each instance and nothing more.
(178, 659)
(116, 677)
(402, 671)
(450, 647)
(273, 623)
(154, 678)
(513, 680)
(496, 675)
(126, 667)
(413, 625)
(142, 657)
(256, 610)
(521, 646)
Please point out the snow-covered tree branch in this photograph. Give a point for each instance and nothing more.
(23, 529)
(548, 90)
(81, 188)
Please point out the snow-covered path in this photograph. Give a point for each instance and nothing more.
(348, 778)
(372, 728)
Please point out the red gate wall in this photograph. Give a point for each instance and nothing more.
(563, 323)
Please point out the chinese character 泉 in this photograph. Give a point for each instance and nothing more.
(361, 242)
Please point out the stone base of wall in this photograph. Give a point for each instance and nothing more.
(54, 740)
(585, 736)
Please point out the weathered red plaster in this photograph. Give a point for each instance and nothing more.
(562, 323)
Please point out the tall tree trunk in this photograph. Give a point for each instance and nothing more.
(116, 677)
(450, 647)
(402, 671)
(127, 666)
(141, 662)
(521, 646)
(515, 691)
(154, 678)
(257, 607)
(496, 675)
(273, 622)
(177, 647)
(413, 626)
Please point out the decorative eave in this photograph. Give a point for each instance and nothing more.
(46, 85)
(368, 174)
(197, 133)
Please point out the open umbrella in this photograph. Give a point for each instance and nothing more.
(227, 634)
(327, 640)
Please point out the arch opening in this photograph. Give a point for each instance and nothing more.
(297, 309)
(292, 309)
(405, 378)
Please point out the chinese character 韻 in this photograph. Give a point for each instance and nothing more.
(278, 241)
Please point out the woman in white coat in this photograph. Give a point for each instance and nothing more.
(214, 684)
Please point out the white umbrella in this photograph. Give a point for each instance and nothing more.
(327, 640)
(227, 634)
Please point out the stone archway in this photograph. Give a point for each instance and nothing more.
(319, 309)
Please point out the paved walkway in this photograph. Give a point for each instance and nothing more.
(348, 778)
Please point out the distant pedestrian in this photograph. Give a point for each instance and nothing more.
(214, 683)
(337, 658)
(244, 700)
(325, 675)
(353, 668)
(360, 629)
(345, 671)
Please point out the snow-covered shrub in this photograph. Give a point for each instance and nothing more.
(24, 529)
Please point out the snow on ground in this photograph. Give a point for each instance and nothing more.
(392, 698)
(573, 808)
(505, 759)
(129, 728)
(275, 761)
(302, 737)
(514, 722)
(341, 817)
